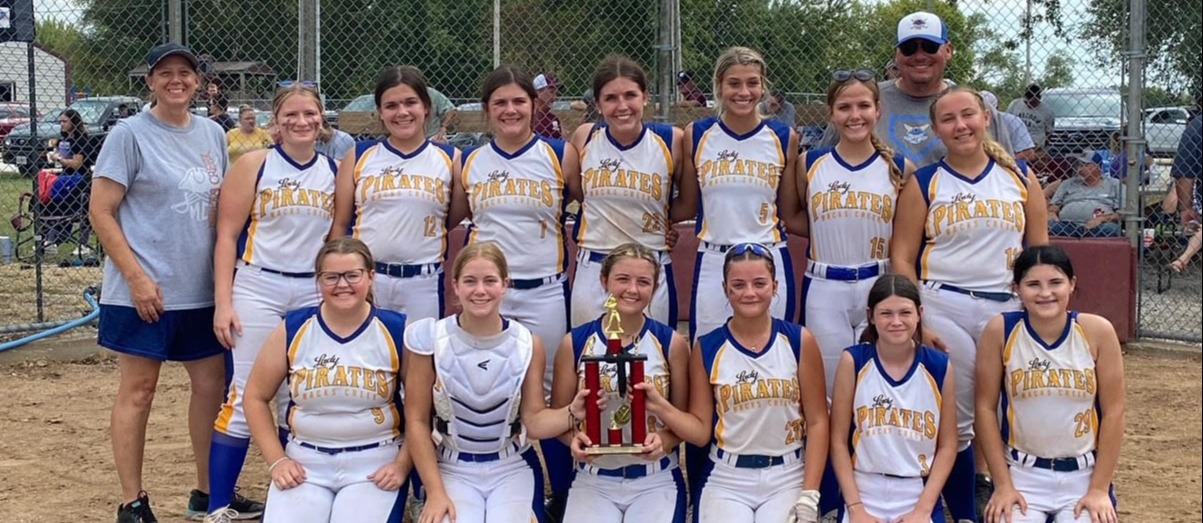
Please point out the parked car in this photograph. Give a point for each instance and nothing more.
(12, 115)
(1085, 118)
(99, 115)
(1163, 128)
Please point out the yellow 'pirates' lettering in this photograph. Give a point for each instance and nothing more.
(864, 201)
(749, 394)
(651, 184)
(945, 216)
(923, 423)
(288, 200)
(1030, 382)
(390, 181)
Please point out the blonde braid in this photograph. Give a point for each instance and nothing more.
(887, 154)
(1000, 156)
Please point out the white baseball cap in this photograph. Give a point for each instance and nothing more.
(990, 99)
(545, 80)
(923, 25)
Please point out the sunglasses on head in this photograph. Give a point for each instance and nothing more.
(843, 75)
(910, 47)
(756, 249)
(289, 83)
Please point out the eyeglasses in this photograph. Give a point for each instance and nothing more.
(289, 83)
(843, 75)
(756, 249)
(330, 279)
(910, 47)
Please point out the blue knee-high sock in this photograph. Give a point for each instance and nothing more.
(559, 465)
(226, 457)
(958, 491)
(830, 497)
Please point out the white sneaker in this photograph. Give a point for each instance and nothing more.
(50, 249)
(221, 515)
(84, 251)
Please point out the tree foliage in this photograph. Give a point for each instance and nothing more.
(1174, 36)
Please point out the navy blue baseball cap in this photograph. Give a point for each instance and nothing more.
(162, 51)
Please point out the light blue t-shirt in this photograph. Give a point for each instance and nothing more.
(337, 146)
(171, 177)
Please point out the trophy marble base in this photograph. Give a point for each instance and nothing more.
(609, 450)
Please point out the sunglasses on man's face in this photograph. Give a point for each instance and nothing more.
(843, 75)
(910, 47)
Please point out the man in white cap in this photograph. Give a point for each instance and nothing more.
(1021, 139)
(544, 122)
(921, 55)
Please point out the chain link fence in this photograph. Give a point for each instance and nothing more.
(89, 55)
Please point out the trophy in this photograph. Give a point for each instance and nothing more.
(629, 371)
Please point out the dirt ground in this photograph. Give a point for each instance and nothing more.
(56, 463)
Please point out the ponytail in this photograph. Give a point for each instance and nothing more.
(887, 154)
(1000, 156)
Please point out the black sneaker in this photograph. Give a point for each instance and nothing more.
(137, 511)
(983, 488)
(198, 506)
(554, 508)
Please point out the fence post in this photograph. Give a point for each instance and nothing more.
(664, 56)
(307, 40)
(1135, 139)
(175, 21)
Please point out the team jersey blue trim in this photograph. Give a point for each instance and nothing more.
(777, 329)
(900, 162)
(600, 124)
(446, 148)
(693, 298)
(791, 286)
(557, 146)
(500, 152)
(333, 164)
(404, 156)
(813, 156)
(933, 360)
(793, 333)
(924, 177)
(465, 154)
(394, 323)
(782, 131)
(621, 147)
(971, 181)
(709, 344)
(580, 335)
(296, 165)
(1010, 320)
(853, 168)
(741, 137)
(362, 147)
(294, 319)
(700, 127)
(1071, 317)
(245, 235)
(664, 131)
(372, 315)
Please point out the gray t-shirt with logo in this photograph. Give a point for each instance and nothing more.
(905, 125)
(1080, 202)
(171, 177)
(1039, 120)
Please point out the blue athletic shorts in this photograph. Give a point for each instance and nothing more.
(183, 335)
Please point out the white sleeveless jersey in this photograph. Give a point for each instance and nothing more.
(627, 189)
(518, 201)
(895, 423)
(757, 402)
(291, 213)
(739, 176)
(478, 382)
(851, 208)
(654, 341)
(344, 392)
(1049, 390)
(974, 228)
(401, 201)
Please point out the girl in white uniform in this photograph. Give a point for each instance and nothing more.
(764, 413)
(625, 488)
(479, 376)
(343, 364)
(740, 163)
(850, 194)
(518, 186)
(1057, 377)
(964, 220)
(893, 434)
(628, 171)
(274, 213)
(400, 196)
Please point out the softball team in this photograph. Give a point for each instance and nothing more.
(648, 487)
(1057, 377)
(275, 209)
(628, 172)
(739, 161)
(477, 383)
(400, 195)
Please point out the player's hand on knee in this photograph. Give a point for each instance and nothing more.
(915, 516)
(1002, 503)
(580, 442)
(438, 509)
(389, 476)
(931, 339)
(657, 404)
(226, 325)
(653, 447)
(858, 514)
(288, 474)
(1098, 504)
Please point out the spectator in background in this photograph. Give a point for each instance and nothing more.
(691, 96)
(1186, 169)
(69, 194)
(247, 136)
(545, 123)
(776, 107)
(921, 55)
(891, 70)
(1088, 205)
(333, 142)
(442, 115)
(588, 104)
(1036, 115)
(1021, 140)
(218, 108)
(123, 111)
